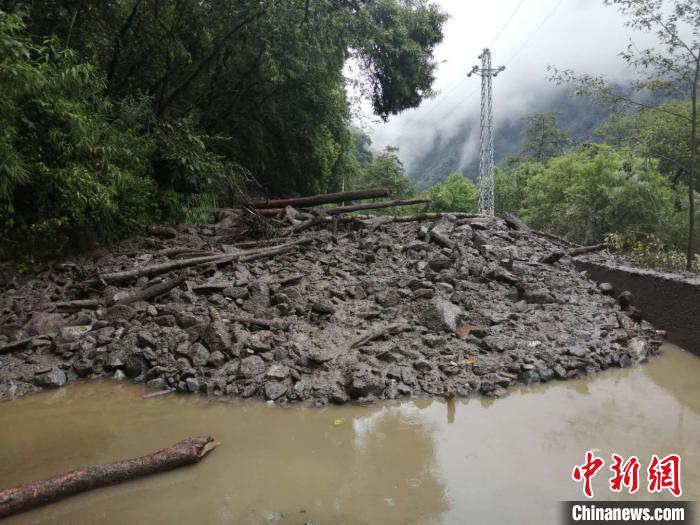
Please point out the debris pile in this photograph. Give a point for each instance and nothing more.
(344, 308)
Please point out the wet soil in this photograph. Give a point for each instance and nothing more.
(415, 462)
(449, 308)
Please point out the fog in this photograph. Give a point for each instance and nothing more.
(583, 35)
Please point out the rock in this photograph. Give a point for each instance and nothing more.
(364, 382)
(114, 361)
(217, 359)
(146, 340)
(252, 366)
(497, 343)
(388, 299)
(577, 351)
(606, 288)
(83, 367)
(439, 315)
(638, 347)
(192, 385)
(274, 390)
(260, 341)
(216, 337)
(135, 366)
(422, 365)
(54, 378)
(625, 299)
(276, 371)
(198, 354)
(42, 323)
(322, 307)
(439, 263)
(186, 320)
(538, 295)
(236, 292)
(69, 334)
(167, 321)
(318, 355)
(120, 312)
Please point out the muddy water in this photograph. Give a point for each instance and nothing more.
(418, 462)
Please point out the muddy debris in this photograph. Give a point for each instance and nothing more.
(453, 305)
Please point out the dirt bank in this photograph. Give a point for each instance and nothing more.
(450, 307)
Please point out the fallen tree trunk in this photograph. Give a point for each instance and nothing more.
(328, 198)
(76, 305)
(33, 495)
(155, 269)
(152, 291)
(372, 206)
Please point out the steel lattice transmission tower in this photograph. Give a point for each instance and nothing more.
(486, 184)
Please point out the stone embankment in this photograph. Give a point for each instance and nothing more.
(455, 306)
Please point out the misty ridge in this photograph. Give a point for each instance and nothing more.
(579, 117)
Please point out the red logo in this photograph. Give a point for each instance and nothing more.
(661, 474)
(665, 474)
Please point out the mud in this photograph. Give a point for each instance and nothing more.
(382, 309)
(419, 461)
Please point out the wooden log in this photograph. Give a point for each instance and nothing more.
(277, 324)
(32, 495)
(20, 344)
(581, 250)
(76, 305)
(151, 292)
(371, 206)
(328, 198)
(155, 269)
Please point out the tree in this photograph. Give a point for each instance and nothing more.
(672, 68)
(387, 171)
(586, 194)
(456, 194)
(542, 139)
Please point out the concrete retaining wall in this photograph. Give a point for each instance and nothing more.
(669, 301)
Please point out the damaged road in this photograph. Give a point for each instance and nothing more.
(453, 305)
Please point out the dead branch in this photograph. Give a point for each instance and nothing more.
(392, 329)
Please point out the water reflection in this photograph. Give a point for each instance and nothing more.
(421, 462)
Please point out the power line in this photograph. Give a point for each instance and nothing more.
(517, 7)
(546, 18)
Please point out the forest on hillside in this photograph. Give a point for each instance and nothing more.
(116, 114)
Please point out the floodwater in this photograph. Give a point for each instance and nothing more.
(417, 462)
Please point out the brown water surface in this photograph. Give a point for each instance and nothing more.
(416, 462)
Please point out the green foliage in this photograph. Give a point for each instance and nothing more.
(387, 171)
(395, 45)
(542, 139)
(649, 251)
(456, 194)
(119, 113)
(68, 175)
(586, 194)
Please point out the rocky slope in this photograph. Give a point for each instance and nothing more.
(382, 309)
